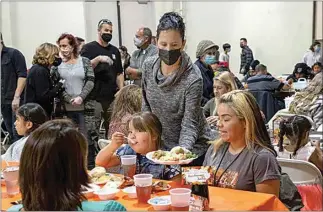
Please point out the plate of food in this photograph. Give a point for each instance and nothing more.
(87, 191)
(99, 176)
(177, 156)
(160, 186)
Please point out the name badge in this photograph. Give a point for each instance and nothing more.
(113, 56)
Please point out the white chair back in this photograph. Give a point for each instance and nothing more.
(6, 138)
(300, 171)
(103, 142)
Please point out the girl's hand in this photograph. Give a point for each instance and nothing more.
(117, 140)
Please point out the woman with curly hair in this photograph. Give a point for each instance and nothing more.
(39, 86)
(126, 103)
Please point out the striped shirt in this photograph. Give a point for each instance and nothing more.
(246, 58)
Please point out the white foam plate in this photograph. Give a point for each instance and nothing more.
(180, 162)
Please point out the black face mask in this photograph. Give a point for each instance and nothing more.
(241, 45)
(57, 61)
(106, 37)
(169, 57)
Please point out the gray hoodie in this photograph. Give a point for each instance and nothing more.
(176, 100)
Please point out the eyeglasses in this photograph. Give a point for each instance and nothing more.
(104, 21)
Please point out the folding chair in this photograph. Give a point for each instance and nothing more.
(102, 129)
(6, 138)
(308, 179)
(104, 142)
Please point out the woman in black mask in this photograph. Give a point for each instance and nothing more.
(172, 90)
(39, 85)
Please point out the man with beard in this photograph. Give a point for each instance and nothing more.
(13, 81)
(246, 56)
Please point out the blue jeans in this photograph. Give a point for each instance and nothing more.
(78, 118)
(9, 118)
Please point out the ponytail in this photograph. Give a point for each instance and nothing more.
(282, 132)
(298, 145)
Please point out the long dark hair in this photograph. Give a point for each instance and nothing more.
(295, 128)
(34, 113)
(53, 168)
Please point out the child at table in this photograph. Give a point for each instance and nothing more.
(144, 136)
(53, 171)
(28, 118)
(316, 68)
(296, 129)
(301, 70)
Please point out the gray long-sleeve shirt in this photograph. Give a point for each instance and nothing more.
(175, 100)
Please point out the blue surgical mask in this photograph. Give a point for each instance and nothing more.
(209, 59)
(317, 48)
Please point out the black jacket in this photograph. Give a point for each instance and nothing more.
(40, 88)
(13, 66)
(207, 74)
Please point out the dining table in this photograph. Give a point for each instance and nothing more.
(282, 94)
(222, 199)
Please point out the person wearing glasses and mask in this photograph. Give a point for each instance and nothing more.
(172, 89)
(106, 62)
(142, 41)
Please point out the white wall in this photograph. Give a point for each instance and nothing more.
(319, 21)
(278, 32)
(33, 23)
(134, 16)
(94, 12)
(5, 24)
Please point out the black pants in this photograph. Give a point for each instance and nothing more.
(106, 108)
(9, 118)
(91, 157)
